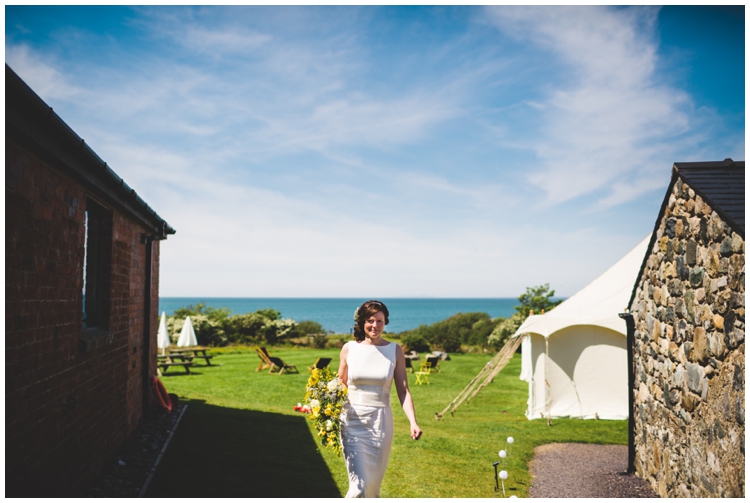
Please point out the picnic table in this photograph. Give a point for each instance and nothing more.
(181, 357)
(163, 362)
(194, 352)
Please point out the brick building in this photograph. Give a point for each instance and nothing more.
(688, 349)
(81, 302)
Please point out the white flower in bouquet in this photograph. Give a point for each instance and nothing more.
(334, 385)
(329, 425)
(314, 403)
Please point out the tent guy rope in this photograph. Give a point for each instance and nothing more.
(485, 376)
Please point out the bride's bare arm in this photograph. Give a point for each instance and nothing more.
(343, 368)
(404, 395)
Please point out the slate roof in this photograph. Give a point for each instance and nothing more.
(722, 185)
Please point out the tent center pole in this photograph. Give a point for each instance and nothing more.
(546, 379)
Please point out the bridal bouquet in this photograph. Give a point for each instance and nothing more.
(325, 398)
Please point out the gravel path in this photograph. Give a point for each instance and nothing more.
(584, 471)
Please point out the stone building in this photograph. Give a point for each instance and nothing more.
(688, 309)
(81, 302)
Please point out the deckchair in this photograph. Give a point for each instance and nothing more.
(265, 359)
(433, 362)
(423, 373)
(407, 363)
(278, 363)
(320, 363)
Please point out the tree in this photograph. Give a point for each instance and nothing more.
(537, 299)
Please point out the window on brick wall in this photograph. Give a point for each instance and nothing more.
(97, 266)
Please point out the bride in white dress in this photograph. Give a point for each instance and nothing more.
(368, 366)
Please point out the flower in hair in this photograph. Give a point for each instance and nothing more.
(356, 314)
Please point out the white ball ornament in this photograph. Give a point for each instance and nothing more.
(510, 440)
(502, 454)
(503, 474)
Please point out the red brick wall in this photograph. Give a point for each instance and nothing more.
(67, 411)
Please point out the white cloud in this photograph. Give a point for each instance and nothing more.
(292, 164)
(212, 41)
(39, 74)
(611, 127)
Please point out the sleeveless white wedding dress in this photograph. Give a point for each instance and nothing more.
(366, 420)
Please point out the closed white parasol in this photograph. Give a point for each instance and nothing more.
(187, 336)
(162, 336)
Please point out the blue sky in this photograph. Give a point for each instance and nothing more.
(391, 151)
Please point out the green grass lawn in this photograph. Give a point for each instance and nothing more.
(241, 438)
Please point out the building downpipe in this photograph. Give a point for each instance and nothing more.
(630, 323)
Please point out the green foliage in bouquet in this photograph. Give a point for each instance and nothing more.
(325, 397)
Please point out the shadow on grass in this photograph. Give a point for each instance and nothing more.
(231, 453)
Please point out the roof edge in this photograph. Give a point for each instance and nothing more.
(100, 177)
(727, 163)
(651, 242)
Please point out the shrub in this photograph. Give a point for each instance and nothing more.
(448, 342)
(318, 341)
(208, 331)
(337, 341)
(504, 329)
(451, 333)
(246, 328)
(217, 314)
(215, 327)
(275, 330)
(307, 327)
(415, 342)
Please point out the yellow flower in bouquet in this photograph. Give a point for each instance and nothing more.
(325, 397)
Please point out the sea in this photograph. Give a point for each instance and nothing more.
(336, 314)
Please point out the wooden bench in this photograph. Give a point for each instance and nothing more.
(205, 357)
(162, 367)
(175, 358)
(189, 354)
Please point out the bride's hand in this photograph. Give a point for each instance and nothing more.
(416, 432)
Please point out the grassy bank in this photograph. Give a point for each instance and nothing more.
(241, 438)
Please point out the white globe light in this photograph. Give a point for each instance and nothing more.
(502, 454)
(503, 474)
(510, 440)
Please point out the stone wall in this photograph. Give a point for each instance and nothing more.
(67, 410)
(689, 312)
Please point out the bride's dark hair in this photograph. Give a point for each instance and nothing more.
(363, 312)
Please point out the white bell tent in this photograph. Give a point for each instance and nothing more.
(575, 356)
(187, 336)
(162, 336)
